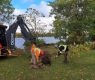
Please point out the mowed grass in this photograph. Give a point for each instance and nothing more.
(17, 68)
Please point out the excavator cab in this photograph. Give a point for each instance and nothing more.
(7, 37)
(3, 42)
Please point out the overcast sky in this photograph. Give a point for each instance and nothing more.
(40, 5)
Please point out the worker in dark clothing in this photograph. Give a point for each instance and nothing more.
(63, 49)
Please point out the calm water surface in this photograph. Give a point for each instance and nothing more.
(20, 41)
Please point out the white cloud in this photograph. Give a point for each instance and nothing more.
(19, 11)
(42, 8)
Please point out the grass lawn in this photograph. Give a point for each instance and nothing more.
(17, 68)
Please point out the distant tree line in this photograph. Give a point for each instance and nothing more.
(40, 35)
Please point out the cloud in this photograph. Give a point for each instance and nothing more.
(19, 11)
(42, 8)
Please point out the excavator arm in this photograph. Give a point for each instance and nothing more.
(10, 34)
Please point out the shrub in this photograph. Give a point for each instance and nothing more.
(91, 45)
(60, 42)
(78, 49)
(27, 44)
(40, 41)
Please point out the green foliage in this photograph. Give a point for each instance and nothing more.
(18, 35)
(78, 39)
(74, 17)
(6, 9)
(60, 42)
(40, 41)
(46, 34)
(27, 44)
(90, 45)
(78, 49)
(70, 40)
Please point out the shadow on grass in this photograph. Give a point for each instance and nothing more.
(2, 58)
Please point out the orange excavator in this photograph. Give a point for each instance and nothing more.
(7, 37)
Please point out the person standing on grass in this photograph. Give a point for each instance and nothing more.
(63, 49)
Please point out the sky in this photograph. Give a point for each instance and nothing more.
(40, 5)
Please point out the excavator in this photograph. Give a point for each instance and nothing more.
(7, 37)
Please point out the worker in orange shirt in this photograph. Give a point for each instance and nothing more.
(36, 53)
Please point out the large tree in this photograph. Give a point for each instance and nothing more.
(74, 17)
(6, 9)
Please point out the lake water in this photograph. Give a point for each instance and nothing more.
(49, 39)
(20, 41)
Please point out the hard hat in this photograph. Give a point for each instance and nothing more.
(42, 53)
(0, 45)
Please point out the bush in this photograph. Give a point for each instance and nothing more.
(78, 49)
(91, 45)
(60, 42)
(40, 41)
(27, 44)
